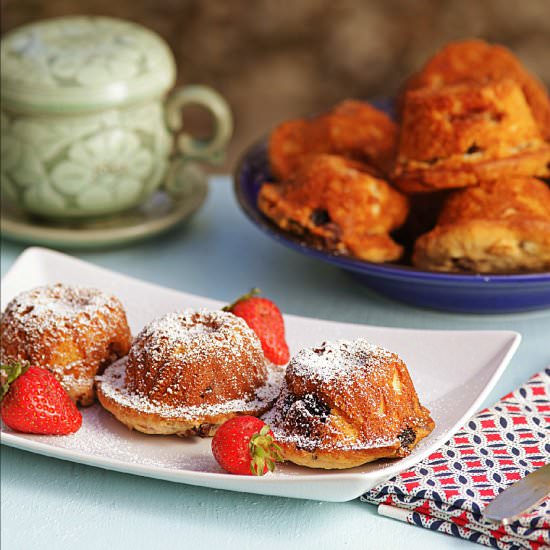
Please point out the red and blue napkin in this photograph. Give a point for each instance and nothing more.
(448, 491)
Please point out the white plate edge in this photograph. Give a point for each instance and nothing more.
(365, 480)
(39, 250)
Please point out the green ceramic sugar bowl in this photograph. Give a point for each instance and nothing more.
(87, 129)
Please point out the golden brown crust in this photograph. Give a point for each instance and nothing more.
(347, 403)
(187, 373)
(149, 419)
(352, 128)
(467, 174)
(336, 204)
(335, 459)
(459, 135)
(478, 61)
(500, 226)
(287, 147)
(195, 358)
(73, 332)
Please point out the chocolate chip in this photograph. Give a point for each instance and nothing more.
(288, 401)
(309, 403)
(316, 407)
(433, 160)
(407, 437)
(473, 149)
(320, 350)
(320, 216)
(203, 430)
(305, 415)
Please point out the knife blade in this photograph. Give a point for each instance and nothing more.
(520, 497)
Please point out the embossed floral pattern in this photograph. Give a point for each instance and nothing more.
(79, 52)
(97, 63)
(83, 165)
(108, 166)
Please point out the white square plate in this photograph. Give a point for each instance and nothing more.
(453, 371)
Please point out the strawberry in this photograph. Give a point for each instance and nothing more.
(244, 445)
(265, 319)
(33, 401)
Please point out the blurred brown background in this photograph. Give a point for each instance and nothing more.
(276, 59)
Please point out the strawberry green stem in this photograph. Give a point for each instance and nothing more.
(264, 452)
(253, 292)
(8, 373)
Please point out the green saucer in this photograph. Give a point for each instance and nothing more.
(159, 213)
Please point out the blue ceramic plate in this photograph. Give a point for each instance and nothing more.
(466, 293)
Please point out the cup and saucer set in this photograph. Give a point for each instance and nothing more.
(93, 152)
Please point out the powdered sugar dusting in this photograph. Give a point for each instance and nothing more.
(210, 333)
(102, 436)
(339, 368)
(47, 306)
(191, 324)
(73, 331)
(339, 360)
(312, 443)
(113, 385)
(451, 393)
(195, 357)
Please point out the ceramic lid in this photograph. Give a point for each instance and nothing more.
(82, 63)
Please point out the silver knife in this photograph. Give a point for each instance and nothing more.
(520, 497)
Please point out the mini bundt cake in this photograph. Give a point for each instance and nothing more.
(347, 403)
(187, 373)
(478, 61)
(459, 135)
(335, 203)
(74, 332)
(353, 128)
(500, 226)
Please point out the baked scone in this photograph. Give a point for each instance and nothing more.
(347, 403)
(74, 332)
(500, 226)
(352, 128)
(337, 205)
(459, 135)
(187, 373)
(478, 61)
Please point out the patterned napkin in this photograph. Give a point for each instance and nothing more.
(448, 491)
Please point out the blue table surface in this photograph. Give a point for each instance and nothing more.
(49, 503)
